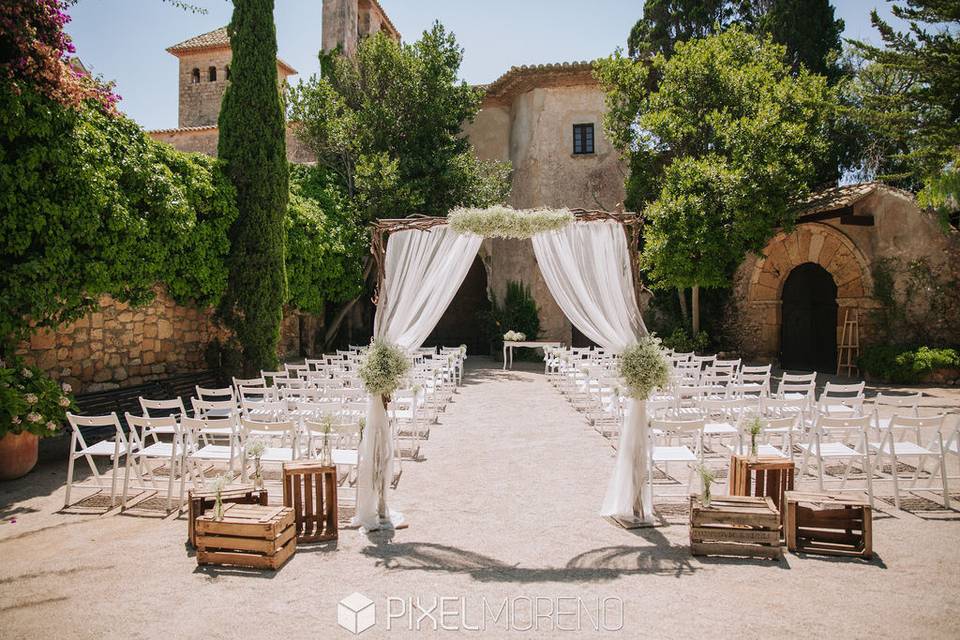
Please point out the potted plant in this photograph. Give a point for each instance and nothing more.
(32, 406)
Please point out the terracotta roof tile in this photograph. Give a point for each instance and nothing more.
(528, 76)
(212, 39)
(845, 196)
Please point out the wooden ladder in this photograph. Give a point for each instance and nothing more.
(849, 348)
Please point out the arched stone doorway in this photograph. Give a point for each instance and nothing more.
(808, 337)
(762, 321)
(462, 322)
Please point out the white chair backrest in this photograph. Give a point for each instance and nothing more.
(160, 408)
(900, 405)
(217, 395)
(827, 425)
(258, 394)
(202, 407)
(143, 426)
(249, 382)
(270, 376)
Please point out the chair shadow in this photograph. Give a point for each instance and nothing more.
(597, 565)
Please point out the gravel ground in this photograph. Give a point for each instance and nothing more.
(502, 508)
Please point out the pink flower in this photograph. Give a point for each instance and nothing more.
(16, 420)
(66, 387)
(34, 417)
(52, 426)
(27, 373)
(30, 398)
(64, 401)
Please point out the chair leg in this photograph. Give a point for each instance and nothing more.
(943, 477)
(896, 480)
(73, 446)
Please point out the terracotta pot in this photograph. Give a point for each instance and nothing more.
(18, 455)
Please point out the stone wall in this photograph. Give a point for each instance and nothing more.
(534, 131)
(205, 140)
(121, 346)
(124, 346)
(848, 252)
(200, 102)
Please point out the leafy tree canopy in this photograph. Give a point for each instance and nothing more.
(908, 99)
(388, 122)
(720, 148)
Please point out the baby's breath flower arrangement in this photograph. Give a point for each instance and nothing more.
(255, 451)
(706, 479)
(643, 367)
(755, 427)
(500, 221)
(383, 368)
(514, 336)
(220, 483)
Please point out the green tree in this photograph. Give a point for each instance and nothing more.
(252, 145)
(921, 88)
(725, 143)
(91, 205)
(667, 22)
(388, 122)
(385, 126)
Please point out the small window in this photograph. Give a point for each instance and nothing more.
(195, 77)
(212, 74)
(583, 138)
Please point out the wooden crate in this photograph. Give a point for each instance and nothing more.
(735, 526)
(251, 536)
(202, 501)
(761, 477)
(310, 489)
(824, 523)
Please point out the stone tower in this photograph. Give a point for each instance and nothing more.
(204, 72)
(346, 21)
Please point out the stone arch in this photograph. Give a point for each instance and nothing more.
(212, 74)
(810, 242)
(195, 76)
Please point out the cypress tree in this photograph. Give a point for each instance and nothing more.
(253, 147)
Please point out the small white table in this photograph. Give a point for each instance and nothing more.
(509, 346)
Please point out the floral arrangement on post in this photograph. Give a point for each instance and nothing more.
(706, 478)
(383, 368)
(31, 401)
(643, 367)
(463, 350)
(255, 451)
(219, 484)
(514, 336)
(500, 221)
(325, 453)
(755, 427)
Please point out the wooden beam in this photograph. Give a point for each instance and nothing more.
(826, 215)
(860, 221)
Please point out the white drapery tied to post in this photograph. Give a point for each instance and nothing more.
(587, 268)
(423, 271)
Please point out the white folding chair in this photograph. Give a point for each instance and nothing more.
(896, 443)
(841, 399)
(842, 439)
(140, 454)
(904, 405)
(162, 409)
(688, 448)
(782, 428)
(198, 434)
(112, 449)
(283, 434)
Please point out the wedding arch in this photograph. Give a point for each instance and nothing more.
(590, 269)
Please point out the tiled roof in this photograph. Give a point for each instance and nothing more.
(208, 127)
(529, 76)
(845, 196)
(386, 18)
(210, 40)
(216, 39)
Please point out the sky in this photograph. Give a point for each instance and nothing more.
(126, 40)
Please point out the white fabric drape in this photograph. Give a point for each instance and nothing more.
(423, 271)
(587, 268)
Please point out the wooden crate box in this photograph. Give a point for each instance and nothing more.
(735, 526)
(202, 501)
(250, 536)
(763, 476)
(310, 489)
(830, 524)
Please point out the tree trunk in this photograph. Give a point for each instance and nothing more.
(695, 300)
(684, 313)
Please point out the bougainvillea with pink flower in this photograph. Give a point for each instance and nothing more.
(37, 54)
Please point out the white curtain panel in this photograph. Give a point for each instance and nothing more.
(586, 266)
(423, 271)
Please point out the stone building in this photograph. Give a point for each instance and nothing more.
(790, 303)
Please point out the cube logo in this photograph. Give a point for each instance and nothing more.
(356, 613)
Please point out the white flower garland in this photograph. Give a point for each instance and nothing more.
(643, 367)
(383, 368)
(500, 221)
